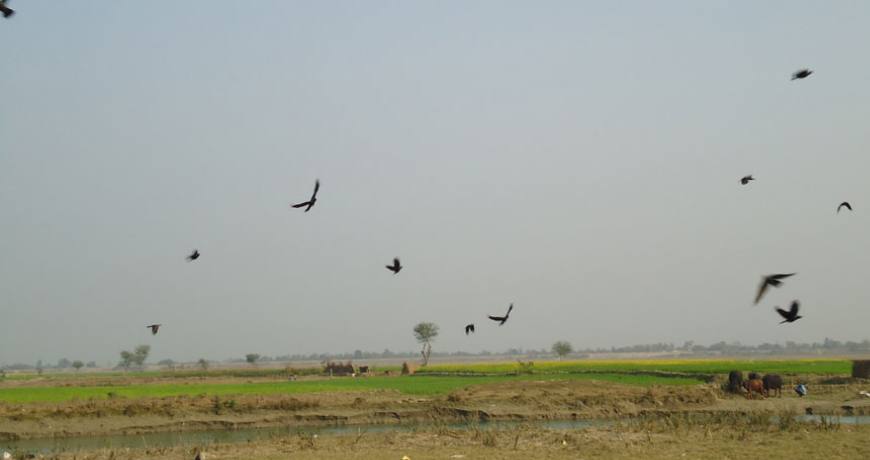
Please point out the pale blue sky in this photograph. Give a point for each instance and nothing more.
(579, 159)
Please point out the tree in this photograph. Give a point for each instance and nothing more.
(91, 364)
(168, 363)
(203, 363)
(562, 348)
(252, 358)
(126, 360)
(425, 333)
(64, 363)
(140, 354)
(135, 358)
(78, 365)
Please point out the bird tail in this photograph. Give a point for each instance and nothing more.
(6, 11)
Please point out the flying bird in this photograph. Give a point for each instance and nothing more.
(745, 179)
(801, 74)
(193, 256)
(5, 9)
(844, 204)
(310, 203)
(396, 267)
(791, 315)
(771, 280)
(469, 329)
(502, 319)
(154, 328)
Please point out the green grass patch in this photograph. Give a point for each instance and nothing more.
(688, 366)
(414, 385)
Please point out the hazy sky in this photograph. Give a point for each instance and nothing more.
(580, 159)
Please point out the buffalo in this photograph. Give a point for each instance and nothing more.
(735, 381)
(772, 382)
(754, 385)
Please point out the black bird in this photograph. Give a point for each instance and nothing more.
(844, 204)
(310, 203)
(396, 267)
(771, 280)
(469, 329)
(791, 315)
(193, 256)
(154, 328)
(5, 9)
(502, 319)
(745, 179)
(801, 74)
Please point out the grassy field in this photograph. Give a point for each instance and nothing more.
(412, 385)
(688, 366)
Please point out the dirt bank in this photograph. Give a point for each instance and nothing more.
(517, 401)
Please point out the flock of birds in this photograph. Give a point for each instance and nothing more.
(776, 280)
(791, 315)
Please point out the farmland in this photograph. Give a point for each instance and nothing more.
(685, 366)
(116, 403)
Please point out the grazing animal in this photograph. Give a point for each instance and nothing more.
(396, 267)
(772, 382)
(502, 319)
(154, 328)
(7, 12)
(753, 385)
(801, 74)
(844, 204)
(735, 381)
(791, 315)
(469, 329)
(771, 280)
(745, 179)
(754, 376)
(363, 369)
(310, 203)
(193, 256)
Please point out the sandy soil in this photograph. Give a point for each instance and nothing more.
(718, 441)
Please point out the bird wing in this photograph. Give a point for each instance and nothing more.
(396, 262)
(783, 313)
(496, 318)
(511, 307)
(782, 276)
(846, 204)
(301, 204)
(794, 308)
(761, 290)
(316, 188)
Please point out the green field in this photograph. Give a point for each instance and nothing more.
(687, 366)
(414, 385)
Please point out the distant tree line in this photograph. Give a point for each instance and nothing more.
(137, 357)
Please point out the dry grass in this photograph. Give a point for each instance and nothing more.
(649, 439)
